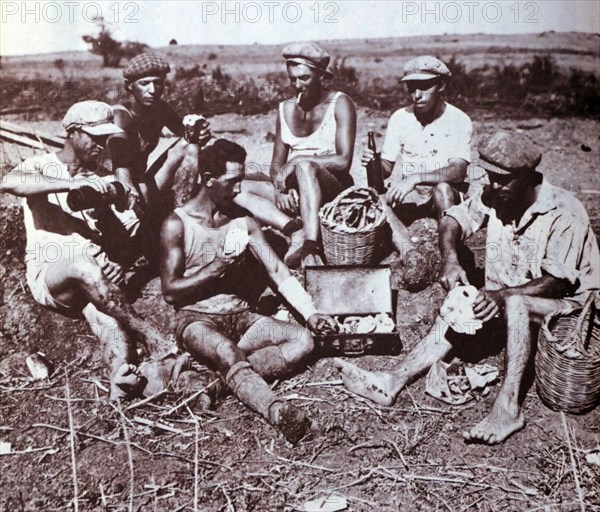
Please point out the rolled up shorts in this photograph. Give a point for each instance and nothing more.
(229, 325)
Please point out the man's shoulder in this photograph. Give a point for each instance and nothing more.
(38, 163)
(456, 114)
(566, 203)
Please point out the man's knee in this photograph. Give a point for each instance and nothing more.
(300, 345)
(88, 272)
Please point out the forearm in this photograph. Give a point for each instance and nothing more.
(547, 286)
(451, 173)
(29, 184)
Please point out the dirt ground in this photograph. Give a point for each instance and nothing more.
(157, 457)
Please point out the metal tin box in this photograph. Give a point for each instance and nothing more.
(344, 291)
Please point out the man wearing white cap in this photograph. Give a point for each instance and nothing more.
(427, 150)
(67, 269)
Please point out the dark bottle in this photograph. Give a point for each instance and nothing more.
(88, 197)
(374, 168)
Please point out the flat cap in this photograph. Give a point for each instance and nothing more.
(146, 64)
(425, 67)
(508, 153)
(93, 117)
(309, 54)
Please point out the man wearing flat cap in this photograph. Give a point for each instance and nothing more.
(142, 122)
(312, 155)
(427, 145)
(68, 270)
(542, 261)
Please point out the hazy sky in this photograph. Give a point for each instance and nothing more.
(35, 27)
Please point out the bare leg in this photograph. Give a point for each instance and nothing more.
(505, 417)
(275, 348)
(203, 342)
(263, 209)
(81, 281)
(444, 196)
(384, 387)
(118, 352)
(400, 234)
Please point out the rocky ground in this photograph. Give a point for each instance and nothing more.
(72, 449)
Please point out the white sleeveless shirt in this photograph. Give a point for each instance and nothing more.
(319, 142)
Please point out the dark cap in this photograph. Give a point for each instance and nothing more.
(146, 64)
(309, 54)
(508, 152)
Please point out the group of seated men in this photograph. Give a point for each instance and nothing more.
(542, 256)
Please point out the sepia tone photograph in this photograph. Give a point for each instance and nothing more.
(309, 256)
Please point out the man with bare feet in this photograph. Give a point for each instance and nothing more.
(542, 261)
(312, 155)
(203, 248)
(67, 269)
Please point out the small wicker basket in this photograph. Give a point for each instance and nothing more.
(356, 247)
(570, 383)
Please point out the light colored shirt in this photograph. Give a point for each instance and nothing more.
(319, 142)
(553, 237)
(421, 148)
(53, 230)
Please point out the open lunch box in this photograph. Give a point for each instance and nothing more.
(357, 297)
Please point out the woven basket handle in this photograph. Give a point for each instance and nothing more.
(577, 334)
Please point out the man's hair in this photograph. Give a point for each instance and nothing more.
(213, 159)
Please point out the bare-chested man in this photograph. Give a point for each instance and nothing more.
(203, 247)
(542, 260)
(67, 269)
(312, 155)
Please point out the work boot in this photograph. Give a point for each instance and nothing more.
(291, 421)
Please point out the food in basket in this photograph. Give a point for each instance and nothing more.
(358, 210)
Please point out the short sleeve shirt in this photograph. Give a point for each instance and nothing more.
(553, 237)
(53, 230)
(421, 148)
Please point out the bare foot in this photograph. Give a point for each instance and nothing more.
(293, 256)
(376, 386)
(160, 374)
(124, 381)
(497, 426)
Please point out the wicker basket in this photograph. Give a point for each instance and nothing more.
(570, 383)
(350, 248)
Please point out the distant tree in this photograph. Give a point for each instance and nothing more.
(173, 42)
(111, 50)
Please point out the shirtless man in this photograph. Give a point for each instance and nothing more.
(312, 155)
(203, 276)
(67, 270)
(542, 261)
(426, 151)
